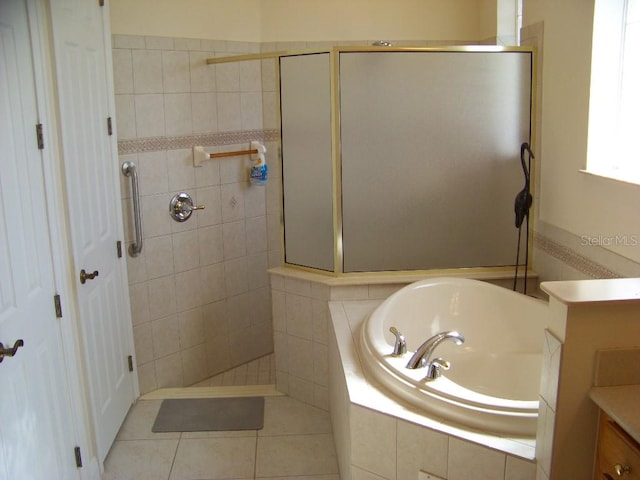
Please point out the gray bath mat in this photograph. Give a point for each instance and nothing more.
(206, 414)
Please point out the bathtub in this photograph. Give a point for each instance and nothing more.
(494, 380)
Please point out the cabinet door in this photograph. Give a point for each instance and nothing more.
(618, 454)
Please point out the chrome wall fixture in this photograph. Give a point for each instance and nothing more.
(181, 207)
(129, 170)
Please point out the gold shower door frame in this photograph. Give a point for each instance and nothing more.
(338, 254)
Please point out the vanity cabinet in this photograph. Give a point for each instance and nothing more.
(618, 455)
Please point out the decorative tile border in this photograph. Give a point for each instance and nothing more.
(154, 144)
(572, 258)
(150, 144)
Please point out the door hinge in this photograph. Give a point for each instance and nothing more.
(119, 248)
(109, 126)
(78, 455)
(130, 362)
(57, 305)
(39, 136)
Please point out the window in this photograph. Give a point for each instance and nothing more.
(614, 110)
(518, 21)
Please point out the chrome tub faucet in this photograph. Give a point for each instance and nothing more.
(422, 358)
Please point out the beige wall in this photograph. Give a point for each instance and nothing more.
(285, 20)
(237, 20)
(569, 200)
(309, 20)
(576, 202)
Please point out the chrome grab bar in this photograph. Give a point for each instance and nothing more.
(129, 170)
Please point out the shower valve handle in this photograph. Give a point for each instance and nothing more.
(181, 207)
(193, 207)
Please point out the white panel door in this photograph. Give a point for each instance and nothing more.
(94, 210)
(36, 430)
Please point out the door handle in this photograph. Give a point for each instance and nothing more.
(84, 276)
(10, 352)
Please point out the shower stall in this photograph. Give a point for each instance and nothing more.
(403, 159)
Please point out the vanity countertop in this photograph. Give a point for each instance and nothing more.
(621, 404)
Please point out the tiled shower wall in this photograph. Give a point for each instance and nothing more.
(199, 290)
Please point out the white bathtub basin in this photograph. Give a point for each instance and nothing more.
(494, 380)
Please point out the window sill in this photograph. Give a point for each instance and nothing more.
(614, 176)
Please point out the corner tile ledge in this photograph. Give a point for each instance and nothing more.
(594, 291)
(386, 278)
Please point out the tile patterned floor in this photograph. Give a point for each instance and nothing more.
(296, 443)
(261, 371)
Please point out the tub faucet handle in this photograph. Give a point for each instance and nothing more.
(435, 368)
(400, 346)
